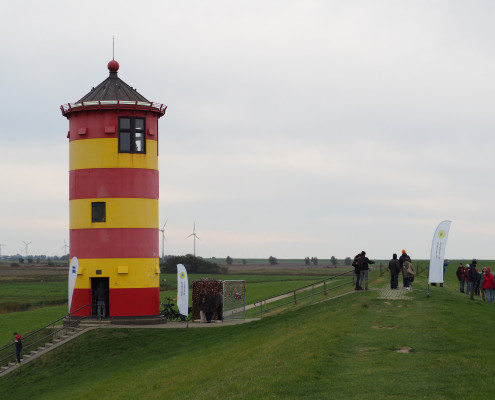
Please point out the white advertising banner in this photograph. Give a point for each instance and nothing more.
(74, 266)
(437, 254)
(182, 290)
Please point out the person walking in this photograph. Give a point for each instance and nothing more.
(394, 267)
(364, 263)
(473, 278)
(460, 276)
(489, 285)
(355, 264)
(406, 268)
(466, 279)
(480, 284)
(18, 347)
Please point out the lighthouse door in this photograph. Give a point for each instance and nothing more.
(95, 284)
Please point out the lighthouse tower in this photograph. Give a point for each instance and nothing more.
(113, 197)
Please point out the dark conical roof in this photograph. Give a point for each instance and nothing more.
(113, 88)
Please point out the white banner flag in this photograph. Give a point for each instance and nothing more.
(182, 290)
(74, 266)
(437, 254)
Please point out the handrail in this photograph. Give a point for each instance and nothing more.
(302, 289)
(32, 339)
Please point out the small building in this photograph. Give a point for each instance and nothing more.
(113, 197)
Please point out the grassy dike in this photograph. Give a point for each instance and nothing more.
(339, 349)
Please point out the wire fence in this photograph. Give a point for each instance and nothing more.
(311, 293)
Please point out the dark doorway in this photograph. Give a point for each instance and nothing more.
(95, 284)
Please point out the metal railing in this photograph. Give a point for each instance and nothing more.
(48, 333)
(302, 293)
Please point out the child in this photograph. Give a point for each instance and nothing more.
(18, 347)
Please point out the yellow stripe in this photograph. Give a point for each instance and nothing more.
(104, 153)
(142, 272)
(120, 213)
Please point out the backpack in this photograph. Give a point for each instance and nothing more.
(408, 268)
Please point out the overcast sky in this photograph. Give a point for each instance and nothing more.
(293, 129)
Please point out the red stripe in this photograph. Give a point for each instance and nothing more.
(100, 124)
(114, 243)
(123, 302)
(134, 302)
(80, 298)
(113, 183)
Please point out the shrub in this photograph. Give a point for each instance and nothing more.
(193, 265)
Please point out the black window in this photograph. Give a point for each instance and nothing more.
(98, 211)
(132, 135)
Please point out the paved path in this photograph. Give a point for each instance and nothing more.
(389, 294)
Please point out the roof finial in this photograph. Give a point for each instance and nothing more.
(113, 66)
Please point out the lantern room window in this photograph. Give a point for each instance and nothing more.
(132, 138)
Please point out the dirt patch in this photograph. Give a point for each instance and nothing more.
(383, 327)
(404, 349)
(32, 270)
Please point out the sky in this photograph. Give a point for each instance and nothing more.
(294, 128)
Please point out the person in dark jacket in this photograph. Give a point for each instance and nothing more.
(202, 302)
(394, 267)
(209, 306)
(219, 306)
(473, 278)
(355, 264)
(406, 280)
(460, 276)
(466, 279)
(100, 299)
(364, 270)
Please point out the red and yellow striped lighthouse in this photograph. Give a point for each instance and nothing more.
(113, 185)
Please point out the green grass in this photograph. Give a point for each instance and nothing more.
(33, 291)
(339, 349)
(28, 321)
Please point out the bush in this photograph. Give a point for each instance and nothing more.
(193, 265)
(272, 260)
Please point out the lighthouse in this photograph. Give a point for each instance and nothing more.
(113, 199)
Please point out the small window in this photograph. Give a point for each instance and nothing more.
(98, 212)
(132, 138)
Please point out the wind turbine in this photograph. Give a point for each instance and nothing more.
(65, 248)
(195, 237)
(163, 239)
(26, 246)
(1, 248)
